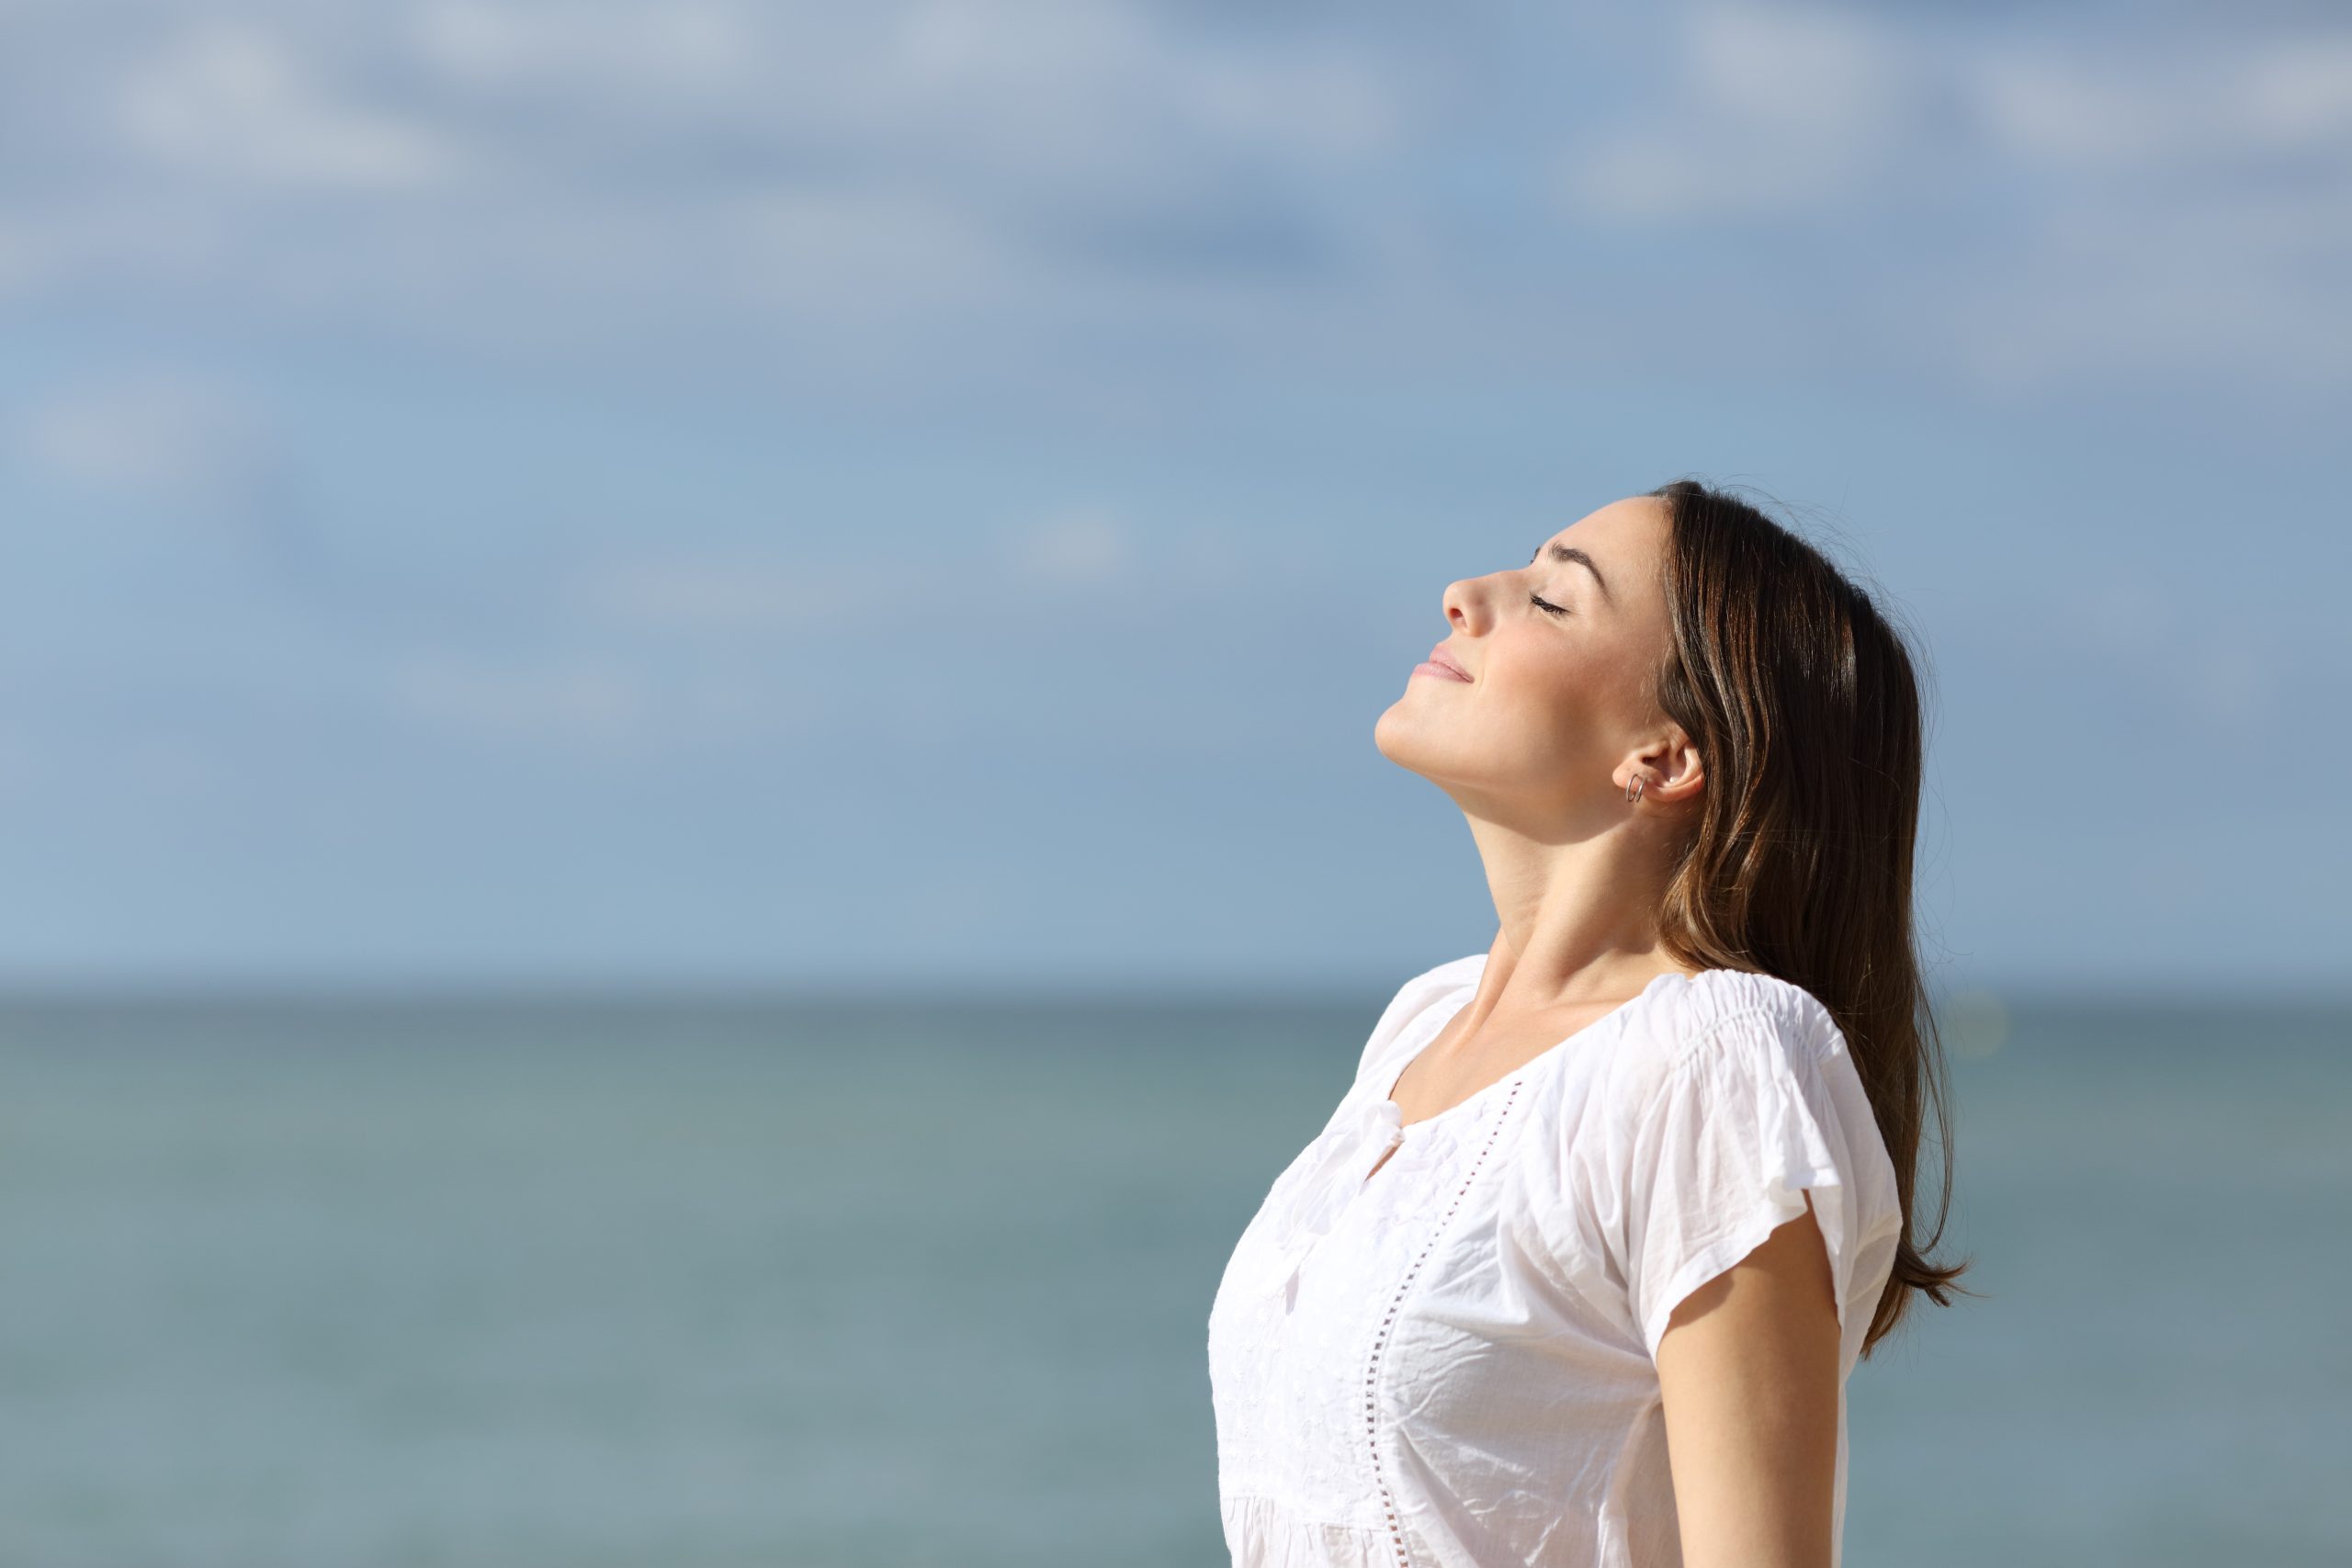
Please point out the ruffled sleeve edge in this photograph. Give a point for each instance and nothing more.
(1792, 1048)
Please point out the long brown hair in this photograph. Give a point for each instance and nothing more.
(1805, 705)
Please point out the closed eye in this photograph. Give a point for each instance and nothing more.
(1537, 599)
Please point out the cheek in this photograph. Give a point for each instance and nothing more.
(1553, 699)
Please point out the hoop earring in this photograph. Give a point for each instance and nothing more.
(1635, 794)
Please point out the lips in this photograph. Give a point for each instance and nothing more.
(1445, 660)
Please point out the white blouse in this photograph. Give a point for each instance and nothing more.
(1452, 1364)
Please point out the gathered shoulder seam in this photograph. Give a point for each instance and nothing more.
(1688, 1052)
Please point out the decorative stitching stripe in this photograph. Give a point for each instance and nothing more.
(1380, 1340)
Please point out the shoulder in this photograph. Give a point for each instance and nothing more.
(1717, 1019)
(1414, 997)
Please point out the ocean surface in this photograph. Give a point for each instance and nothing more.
(691, 1283)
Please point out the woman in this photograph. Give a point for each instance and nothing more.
(1577, 1272)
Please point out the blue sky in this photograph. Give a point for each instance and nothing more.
(920, 493)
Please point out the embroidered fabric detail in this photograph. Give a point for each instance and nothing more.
(1388, 1322)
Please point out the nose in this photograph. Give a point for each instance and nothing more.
(1462, 604)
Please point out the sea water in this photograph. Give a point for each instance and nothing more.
(519, 1282)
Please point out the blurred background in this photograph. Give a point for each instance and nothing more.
(686, 706)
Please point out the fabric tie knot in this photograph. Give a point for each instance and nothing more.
(1353, 1150)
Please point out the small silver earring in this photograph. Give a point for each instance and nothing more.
(1635, 794)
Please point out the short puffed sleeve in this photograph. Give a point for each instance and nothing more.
(1754, 1101)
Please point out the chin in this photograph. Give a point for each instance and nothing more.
(1393, 737)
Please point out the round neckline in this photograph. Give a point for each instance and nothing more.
(1521, 1072)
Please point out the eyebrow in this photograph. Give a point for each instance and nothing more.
(1570, 553)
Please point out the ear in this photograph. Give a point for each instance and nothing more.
(1672, 765)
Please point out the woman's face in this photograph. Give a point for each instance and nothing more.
(1558, 712)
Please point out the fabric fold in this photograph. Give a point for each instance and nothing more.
(1751, 1120)
(1453, 1363)
(1351, 1148)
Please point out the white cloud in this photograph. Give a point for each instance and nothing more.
(2068, 108)
(1771, 109)
(922, 193)
(587, 698)
(679, 46)
(155, 431)
(1083, 545)
(2300, 93)
(704, 596)
(2016, 206)
(1081, 86)
(596, 700)
(235, 101)
(2244, 284)
(863, 191)
(1815, 74)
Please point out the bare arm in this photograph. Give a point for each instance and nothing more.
(1747, 1371)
